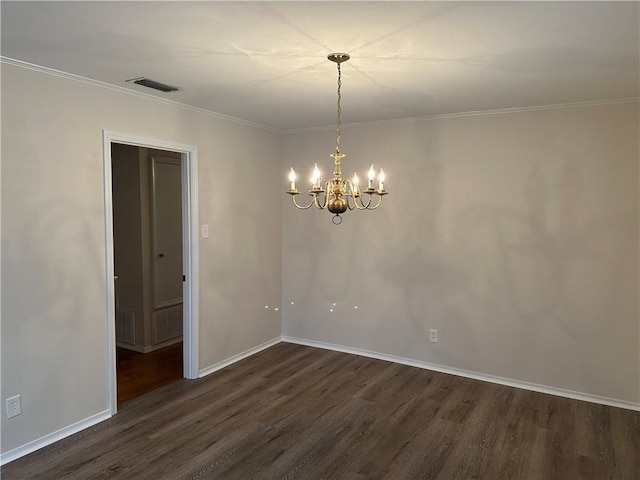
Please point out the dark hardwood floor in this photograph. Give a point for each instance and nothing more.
(140, 373)
(294, 412)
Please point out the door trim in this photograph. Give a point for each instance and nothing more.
(190, 241)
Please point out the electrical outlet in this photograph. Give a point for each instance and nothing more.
(433, 336)
(14, 406)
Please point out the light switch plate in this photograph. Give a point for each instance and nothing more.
(433, 336)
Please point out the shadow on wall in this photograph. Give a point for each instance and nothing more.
(519, 269)
(525, 272)
(418, 267)
(237, 261)
(56, 268)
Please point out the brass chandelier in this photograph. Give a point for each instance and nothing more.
(339, 194)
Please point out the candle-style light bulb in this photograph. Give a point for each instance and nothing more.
(316, 176)
(372, 175)
(292, 179)
(355, 188)
(381, 181)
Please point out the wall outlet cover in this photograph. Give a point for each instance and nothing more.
(14, 406)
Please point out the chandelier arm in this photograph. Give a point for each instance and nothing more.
(353, 199)
(369, 207)
(362, 205)
(349, 187)
(353, 195)
(325, 194)
(301, 207)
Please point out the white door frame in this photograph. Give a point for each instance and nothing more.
(190, 241)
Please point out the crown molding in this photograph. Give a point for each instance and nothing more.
(221, 116)
(477, 113)
(97, 83)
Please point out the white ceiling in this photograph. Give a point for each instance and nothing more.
(265, 62)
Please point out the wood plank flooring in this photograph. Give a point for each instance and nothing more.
(295, 412)
(141, 373)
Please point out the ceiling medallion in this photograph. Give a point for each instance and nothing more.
(339, 194)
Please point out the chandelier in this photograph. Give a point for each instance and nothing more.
(339, 194)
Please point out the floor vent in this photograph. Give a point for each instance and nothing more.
(167, 323)
(146, 82)
(125, 326)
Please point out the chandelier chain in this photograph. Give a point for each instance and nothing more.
(339, 110)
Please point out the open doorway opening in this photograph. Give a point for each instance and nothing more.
(148, 259)
(151, 263)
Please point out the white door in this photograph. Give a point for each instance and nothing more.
(167, 231)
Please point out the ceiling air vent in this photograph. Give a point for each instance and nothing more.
(146, 82)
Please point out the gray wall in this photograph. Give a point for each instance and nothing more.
(515, 235)
(54, 326)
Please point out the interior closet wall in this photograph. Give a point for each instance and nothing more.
(141, 324)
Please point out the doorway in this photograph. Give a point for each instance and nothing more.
(147, 237)
(151, 327)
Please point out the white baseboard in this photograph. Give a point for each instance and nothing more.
(240, 356)
(50, 438)
(561, 392)
(99, 417)
(140, 349)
